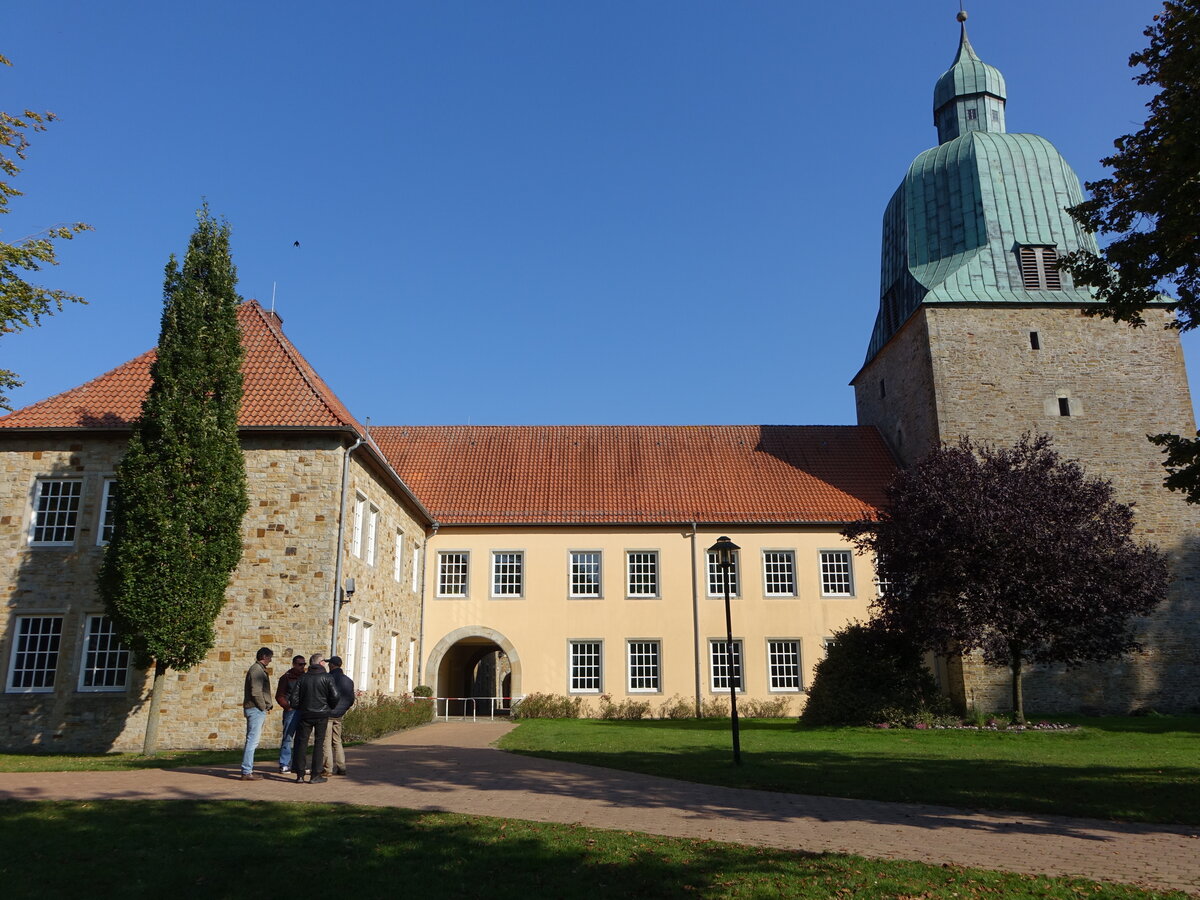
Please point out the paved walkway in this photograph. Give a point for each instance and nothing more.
(451, 767)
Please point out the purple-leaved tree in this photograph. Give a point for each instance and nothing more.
(1012, 551)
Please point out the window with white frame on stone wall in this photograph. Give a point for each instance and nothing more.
(641, 568)
(716, 578)
(33, 664)
(584, 666)
(416, 568)
(104, 665)
(453, 569)
(837, 574)
(508, 573)
(372, 528)
(356, 534)
(55, 515)
(398, 559)
(779, 573)
(393, 651)
(585, 573)
(783, 665)
(643, 666)
(725, 662)
(108, 512)
(357, 663)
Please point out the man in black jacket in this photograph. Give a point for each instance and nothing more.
(315, 696)
(335, 756)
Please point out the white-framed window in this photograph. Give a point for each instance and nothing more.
(55, 512)
(641, 567)
(353, 634)
(105, 662)
(644, 666)
(584, 666)
(508, 573)
(416, 568)
(837, 574)
(108, 512)
(779, 573)
(585, 573)
(783, 665)
(393, 652)
(398, 560)
(356, 534)
(412, 662)
(34, 660)
(362, 681)
(722, 667)
(453, 570)
(716, 579)
(372, 527)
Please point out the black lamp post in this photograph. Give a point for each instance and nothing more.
(724, 549)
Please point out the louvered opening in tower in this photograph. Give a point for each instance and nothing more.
(1039, 268)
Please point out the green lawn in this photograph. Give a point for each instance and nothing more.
(1136, 769)
(35, 761)
(155, 849)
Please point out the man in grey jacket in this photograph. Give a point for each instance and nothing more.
(335, 756)
(256, 703)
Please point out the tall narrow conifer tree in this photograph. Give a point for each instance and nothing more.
(182, 482)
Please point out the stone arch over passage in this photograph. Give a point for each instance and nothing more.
(477, 662)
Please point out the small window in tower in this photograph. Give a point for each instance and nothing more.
(1035, 343)
(1064, 406)
(882, 388)
(971, 115)
(1039, 268)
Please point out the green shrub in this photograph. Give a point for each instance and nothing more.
(422, 690)
(775, 708)
(548, 706)
(377, 715)
(677, 708)
(866, 671)
(627, 709)
(714, 708)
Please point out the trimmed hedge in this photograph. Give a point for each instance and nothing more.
(378, 715)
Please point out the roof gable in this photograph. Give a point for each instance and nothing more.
(481, 475)
(282, 389)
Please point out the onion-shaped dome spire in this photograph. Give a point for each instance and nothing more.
(970, 95)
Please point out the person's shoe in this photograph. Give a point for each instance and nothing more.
(251, 776)
(326, 774)
(339, 771)
(284, 770)
(318, 779)
(299, 778)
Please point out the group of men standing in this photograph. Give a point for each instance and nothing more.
(314, 700)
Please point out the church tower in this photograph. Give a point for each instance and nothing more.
(978, 333)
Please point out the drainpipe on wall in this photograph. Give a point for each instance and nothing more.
(695, 621)
(337, 550)
(429, 536)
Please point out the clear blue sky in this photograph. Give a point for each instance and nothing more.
(519, 212)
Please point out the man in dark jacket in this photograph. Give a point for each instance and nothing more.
(335, 756)
(291, 717)
(315, 696)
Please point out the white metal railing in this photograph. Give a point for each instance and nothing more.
(493, 705)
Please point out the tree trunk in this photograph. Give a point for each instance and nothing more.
(1018, 697)
(150, 745)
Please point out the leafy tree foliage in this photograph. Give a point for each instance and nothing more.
(1013, 552)
(867, 673)
(1151, 198)
(22, 304)
(182, 483)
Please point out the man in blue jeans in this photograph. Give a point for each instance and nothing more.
(291, 717)
(256, 704)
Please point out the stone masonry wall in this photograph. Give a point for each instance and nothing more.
(1119, 384)
(280, 596)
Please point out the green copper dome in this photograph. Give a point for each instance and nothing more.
(980, 218)
(968, 75)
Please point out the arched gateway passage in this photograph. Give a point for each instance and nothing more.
(475, 662)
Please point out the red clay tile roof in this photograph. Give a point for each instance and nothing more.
(281, 389)
(566, 474)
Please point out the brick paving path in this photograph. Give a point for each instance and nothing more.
(451, 767)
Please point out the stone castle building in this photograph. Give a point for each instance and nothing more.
(494, 562)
